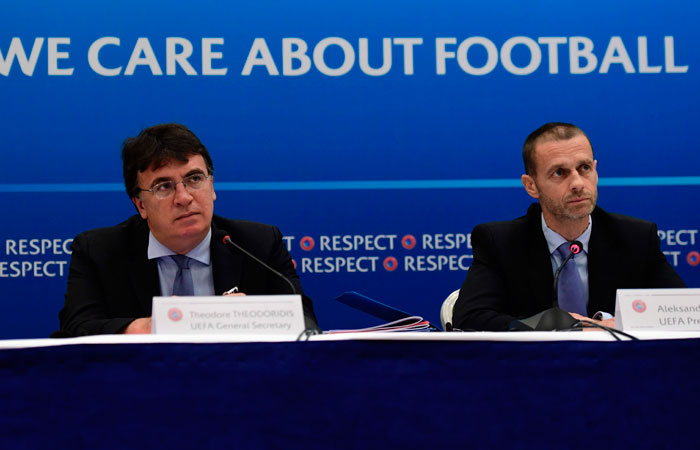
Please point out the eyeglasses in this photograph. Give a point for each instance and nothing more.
(167, 188)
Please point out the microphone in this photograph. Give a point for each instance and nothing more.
(553, 318)
(226, 239)
(575, 247)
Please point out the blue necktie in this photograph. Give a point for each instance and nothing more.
(183, 280)
(570, 288)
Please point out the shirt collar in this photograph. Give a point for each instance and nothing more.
(200, 253)
(554, 239)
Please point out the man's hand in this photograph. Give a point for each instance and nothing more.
(233, 294)
(610, 323)
(139, 326)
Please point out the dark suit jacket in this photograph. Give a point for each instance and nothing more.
(111, 281)
(511, 275)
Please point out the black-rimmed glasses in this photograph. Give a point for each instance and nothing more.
(167, 188)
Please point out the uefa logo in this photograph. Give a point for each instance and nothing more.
(408, 241)
(639, 306)
(307, 243)
(174, 314)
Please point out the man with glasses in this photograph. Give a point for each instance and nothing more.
(172, 247)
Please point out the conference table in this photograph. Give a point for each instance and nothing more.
(352, 390)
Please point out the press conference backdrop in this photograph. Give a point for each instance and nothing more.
(374, 134)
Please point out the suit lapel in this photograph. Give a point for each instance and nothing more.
(142, 271)
(538, 262)
(601, 263)
(226, 264)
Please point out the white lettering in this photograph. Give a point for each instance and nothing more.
(576, 52)
(435, 263)
(491, 51)
(386, 58)
(16, 50)
(55, 55)
(348, 56)
(174, 58)
(442, 54)
(669, 54)
(208, 55)
(552, 51)
(616, 53)
(259, 47)
(94, 57)
(36, 269)
(674, 257)
(294, 49)
(288, 242)
(143, 56)
(643, 56)
(339, 264)
(408, 44)
(535, 55)
(674, 237)
(34, 247)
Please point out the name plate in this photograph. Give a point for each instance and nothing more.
(249, 314)
(658, 309)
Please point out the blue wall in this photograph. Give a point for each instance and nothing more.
(327, 147)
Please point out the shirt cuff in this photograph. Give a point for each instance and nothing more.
(602, 315)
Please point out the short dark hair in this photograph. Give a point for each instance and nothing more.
(155, 147)
(553, 131)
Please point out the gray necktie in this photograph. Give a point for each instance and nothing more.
(183, 280)
(570, 288)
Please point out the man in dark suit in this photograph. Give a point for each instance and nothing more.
(512, 274)
(115, 272)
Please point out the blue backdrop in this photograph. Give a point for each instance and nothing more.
(373, 126)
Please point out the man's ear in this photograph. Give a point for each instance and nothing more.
(138, 202)
(530, 186)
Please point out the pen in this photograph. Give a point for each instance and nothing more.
(233, 290)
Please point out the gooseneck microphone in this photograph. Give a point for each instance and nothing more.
(226, 239)
(575, 247)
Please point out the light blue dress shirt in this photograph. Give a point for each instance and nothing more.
(200, 266)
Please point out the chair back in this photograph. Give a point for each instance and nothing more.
(447, 307)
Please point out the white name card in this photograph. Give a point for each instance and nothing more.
(658, 309)
(250, 314)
